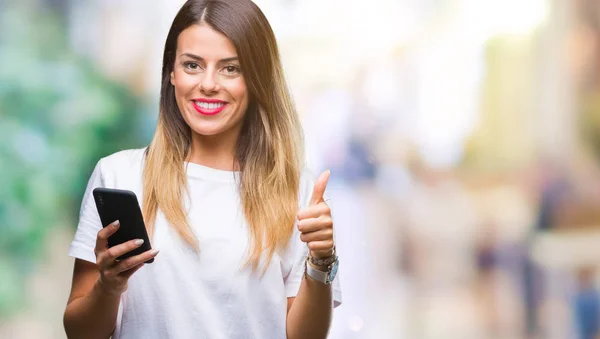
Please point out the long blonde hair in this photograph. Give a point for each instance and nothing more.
(270, 146)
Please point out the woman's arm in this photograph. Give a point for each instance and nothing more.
(90, 312)
(310, 312)
(96, 290)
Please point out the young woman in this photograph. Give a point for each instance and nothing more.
(245, 236)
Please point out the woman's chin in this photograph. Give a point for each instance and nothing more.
(206, 132)
(211, 127)
(208, 129)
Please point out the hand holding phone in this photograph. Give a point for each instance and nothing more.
(122, 205)
(115, 273)
(122, 246)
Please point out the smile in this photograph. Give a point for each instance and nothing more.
(209, 107)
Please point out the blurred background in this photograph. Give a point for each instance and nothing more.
(462, 136)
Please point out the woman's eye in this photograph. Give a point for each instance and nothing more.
(231, 69)
(192, 65)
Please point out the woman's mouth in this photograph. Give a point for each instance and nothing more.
(209, 107)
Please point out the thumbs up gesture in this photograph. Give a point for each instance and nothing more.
(315, 223)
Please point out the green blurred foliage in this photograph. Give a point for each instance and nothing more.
(58, 116)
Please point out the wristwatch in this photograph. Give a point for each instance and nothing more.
(320, 276)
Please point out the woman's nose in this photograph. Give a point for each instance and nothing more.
(209, 83)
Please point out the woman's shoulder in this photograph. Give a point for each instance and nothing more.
(126, 157)
(307, 182)
(307, 177)
(123, 163)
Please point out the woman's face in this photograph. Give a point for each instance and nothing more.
(209, 87)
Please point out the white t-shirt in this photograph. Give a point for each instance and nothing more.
(208, 294)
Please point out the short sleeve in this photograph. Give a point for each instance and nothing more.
(298, 249)
(89, 224)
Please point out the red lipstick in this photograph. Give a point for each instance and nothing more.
(209, 106)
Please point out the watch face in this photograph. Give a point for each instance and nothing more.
(334, 270)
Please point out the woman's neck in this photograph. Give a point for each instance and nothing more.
(214, 151)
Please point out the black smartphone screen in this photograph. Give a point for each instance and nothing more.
(122, 205)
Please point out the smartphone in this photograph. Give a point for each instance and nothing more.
(122, 205)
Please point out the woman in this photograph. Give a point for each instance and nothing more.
(245, 236)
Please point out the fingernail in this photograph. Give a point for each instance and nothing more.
(116, 224)
(139, 241)
(154, 252)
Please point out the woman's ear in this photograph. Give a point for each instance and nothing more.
(172, 77)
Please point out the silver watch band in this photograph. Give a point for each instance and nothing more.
(320, 276)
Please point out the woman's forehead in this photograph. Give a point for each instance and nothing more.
(205, 42)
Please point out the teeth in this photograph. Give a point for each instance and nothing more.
(207, 105)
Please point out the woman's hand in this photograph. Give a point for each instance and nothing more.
(114, 274)
(315, 223)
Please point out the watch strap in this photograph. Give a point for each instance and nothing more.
(320, 276)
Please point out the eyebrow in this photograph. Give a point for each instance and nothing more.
(199, 58)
